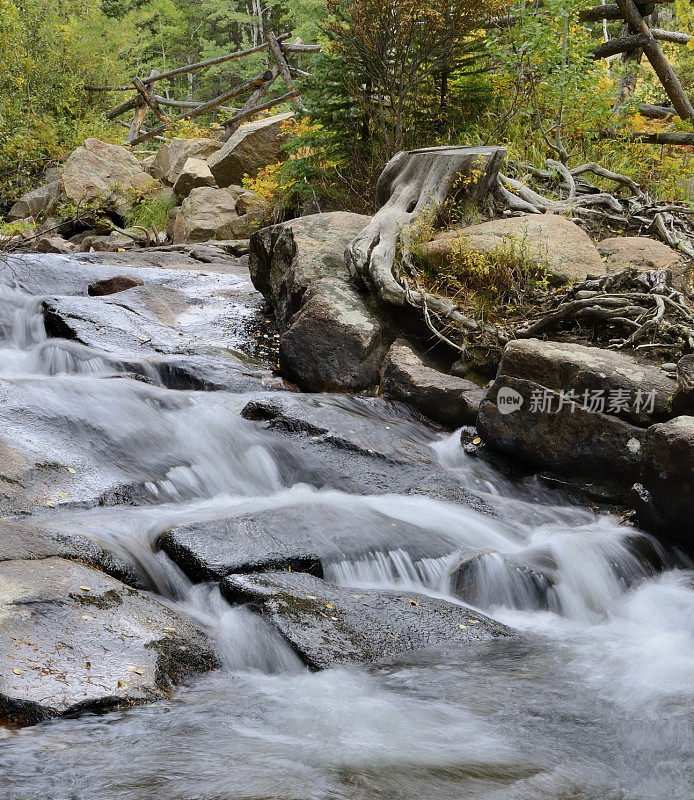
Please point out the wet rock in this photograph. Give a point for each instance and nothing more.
(620, 378)
(548, 239)
(209, 213)
(75, 640)
(334, 342)
(300, 538)
(172, 156)
(567, 439)
(119, 283)
(637, 251)
(287, 258)
(194, 174)
(105, 175)
(488, 579)
(669, 477)
(252, 147)
(446, 399)
(332, 625)
(53, 244)
(113, 243)
(367, 425)
(24, 539)
(40, 201)
(683, 399)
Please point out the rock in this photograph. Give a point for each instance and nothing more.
(113, 243)
(332, 625)
(75, 640)
(253, 146)
(683, 399)
(564, 366)
(334, 342)
(299, 538)
(669, 476)
(53, 244)
(172, 156)
(287, 258)
(193, 174)
(569, 441)
(171, 222)
(561, 245)
(368, 425)
(598, 430)
(24, 539)
(119, 283)
(40, 201)
(637, 251)
(447, 399)
(105, 175)
(146, 163)
(208, 213)
(487, 579)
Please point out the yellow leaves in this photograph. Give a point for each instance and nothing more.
(329, 605)
(477, 440)
(121, 684)
(413, 602)
(86, 588)
(87, 618)
(17, 671)
(136, 670)
(462, 627)
(71, 470)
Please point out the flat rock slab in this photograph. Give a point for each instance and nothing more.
(75, 640)
(369, 425)
(24, 539)
(332, 625)
(301, 538)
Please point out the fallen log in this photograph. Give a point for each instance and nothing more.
(612, 11)
(656, 112)
(203, 109)
(615, 46)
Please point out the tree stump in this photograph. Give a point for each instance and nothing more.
(412, 191)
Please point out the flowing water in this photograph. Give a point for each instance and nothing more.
(593, 701)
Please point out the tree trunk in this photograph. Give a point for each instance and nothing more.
(412, 190)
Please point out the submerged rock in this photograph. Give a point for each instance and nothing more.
(332, 625)
(75, 640)
(447, 399)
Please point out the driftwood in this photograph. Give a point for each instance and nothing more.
(412, 190)
(627, 309)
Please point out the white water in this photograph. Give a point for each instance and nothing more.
(593, 702)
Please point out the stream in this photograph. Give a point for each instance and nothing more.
(592, 701)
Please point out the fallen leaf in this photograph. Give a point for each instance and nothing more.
(311, 597)
(87, 617)
(463, 627)
(86, 588)
(477, 440)
(328, 605)
(413, 602)
(71, 470)
(120, 684)
(473, 621)
(334, 619)
(17, 671)
(136, 670)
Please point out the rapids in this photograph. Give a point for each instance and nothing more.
(592, 702)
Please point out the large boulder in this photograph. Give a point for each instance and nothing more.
(574, 408)
(332, 625)
(41, 201)
(173, 155)
(683, 399)
(560, 245)
(209, 213)
(253, 146)
(335, 342)
(74, 640)
(333, 338)
(106, 175)
(669, 476)
(447, 399)
(287, 258)
(193, 174)
(637, 251)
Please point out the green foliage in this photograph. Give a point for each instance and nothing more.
(152, 210)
